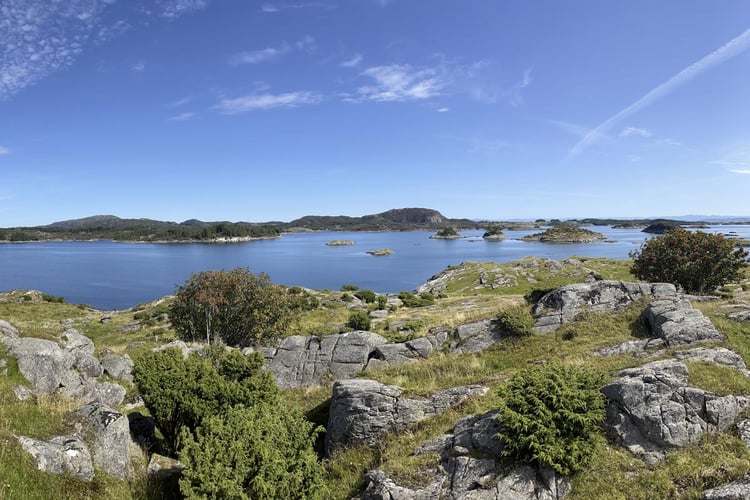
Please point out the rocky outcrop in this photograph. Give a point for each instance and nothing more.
(400, 353)
(678, 324)
(652, 409)
(362, 411)
(119, 367)
(8, 330)
(563, 305)
(306, 361)
(70, 370)
(718, 356)
(737, 490)
(469, 470)
(111, 434)
(303, 361)
(60, 455)
(44, 364)
(674, 323)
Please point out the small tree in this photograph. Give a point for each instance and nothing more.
(696, 261)
(550, 415)
(236, 307)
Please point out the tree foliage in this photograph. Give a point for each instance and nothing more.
(550, 415)
(696, 261)
(237, 307)
(251, 452)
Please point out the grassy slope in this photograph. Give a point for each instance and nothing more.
(469, 296)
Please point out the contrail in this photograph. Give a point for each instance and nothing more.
(727, 51)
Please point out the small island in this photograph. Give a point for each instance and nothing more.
(340, 243)
(661, 227)
(447, 233)
(380, 252)
(493, 233)
(565, 233)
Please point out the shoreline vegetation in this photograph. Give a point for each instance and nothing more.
(112, 228)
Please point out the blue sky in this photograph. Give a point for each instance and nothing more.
(271, 110)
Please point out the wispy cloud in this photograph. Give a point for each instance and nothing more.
(353, 62)
(443, 110)
(492, 93)
(138, 67)
(740, 171)
(729, 50)
(515, 93)
(179, 102)
(255, 102)
(40, 37)
(635, 131)
(172, 9)
(4, 150)
(181, 117)
(271, 8)
(306, 44)
(399, 82)
(569, 128)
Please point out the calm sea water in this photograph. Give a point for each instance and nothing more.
(109, 275)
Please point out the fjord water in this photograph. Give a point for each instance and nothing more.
(109, 275)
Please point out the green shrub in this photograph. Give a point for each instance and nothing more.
(50, 298)
(414, 325)
(382, 301)
(359, 320)
(696, 261)
(366, 295)
(550, 416)
(516, 320)
(252, 452)
(347, 297)
(182, 392)
(411, 300)
(349, 288)
(237, 307)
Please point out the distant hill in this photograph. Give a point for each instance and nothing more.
(399, 219)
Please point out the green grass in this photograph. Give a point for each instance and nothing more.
(523, 276)
(613, 473)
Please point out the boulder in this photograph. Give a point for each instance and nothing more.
(111, 433)
(399, 353)
(475, 337)
(362, 411)
(678, 324)
(652, 409)
(60, 455)
(161, 467)
(74, 341)
(119, 367)
(563, 305)
(303, 361)
(44, 364)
